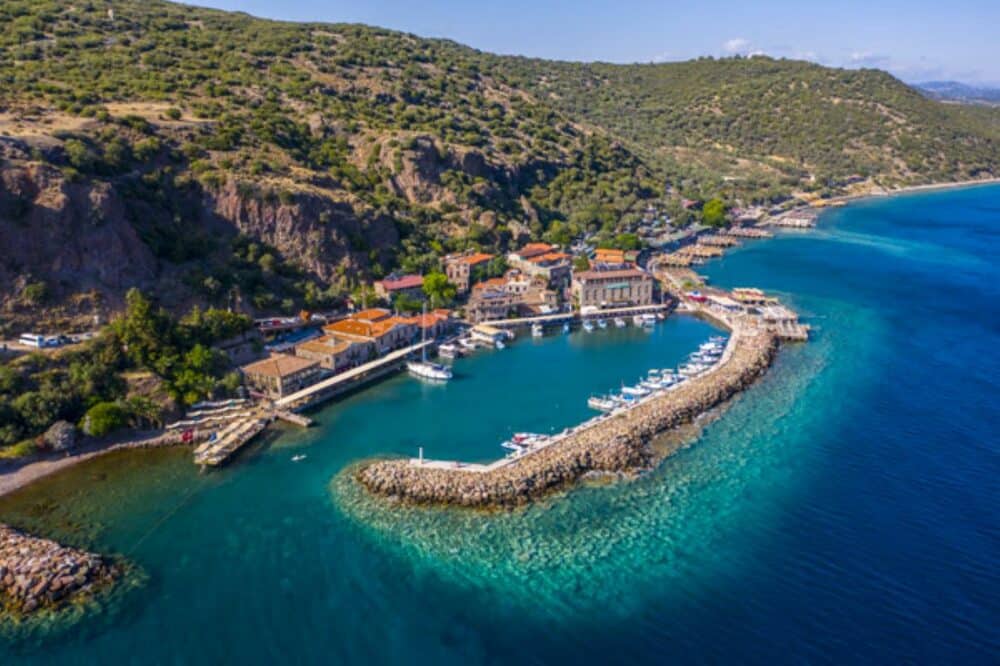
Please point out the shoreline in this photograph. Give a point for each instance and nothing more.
(35, 470)
(22, 475)
(913, 189)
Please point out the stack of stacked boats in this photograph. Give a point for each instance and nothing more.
(658, 381)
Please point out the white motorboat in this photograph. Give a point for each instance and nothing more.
(602, 323)
(499, 344)
(602, 404)
(466, 343)
(636, 391)
(648, 319)
(588, 326)
(449, 350)
(566, 327)
(637, 320)
(620, 323)
(537, 331)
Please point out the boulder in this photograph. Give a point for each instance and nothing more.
(61, 436)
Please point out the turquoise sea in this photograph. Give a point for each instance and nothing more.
(846, 509)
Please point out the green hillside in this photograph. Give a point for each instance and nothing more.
(224, 158)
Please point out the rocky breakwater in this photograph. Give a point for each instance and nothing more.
(38, 574)
(617, 444)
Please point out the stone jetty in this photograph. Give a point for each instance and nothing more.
(40, 574)
(619, 444)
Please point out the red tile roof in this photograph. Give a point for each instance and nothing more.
(534, 249)
(474, 259)
(403, 282)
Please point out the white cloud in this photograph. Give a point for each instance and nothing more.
(736, 45)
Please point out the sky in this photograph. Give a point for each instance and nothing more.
(917, 40)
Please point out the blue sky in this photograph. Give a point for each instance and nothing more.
(917, 40)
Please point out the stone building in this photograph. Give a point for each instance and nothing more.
(620, 287)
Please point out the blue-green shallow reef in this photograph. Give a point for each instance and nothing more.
(842, 510)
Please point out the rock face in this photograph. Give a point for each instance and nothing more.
(38, 573)
(61, 436)
(618, 444)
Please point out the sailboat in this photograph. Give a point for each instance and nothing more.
(424, 368)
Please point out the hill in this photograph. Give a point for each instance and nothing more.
(747, 124)
(955, 91)
(215, 158)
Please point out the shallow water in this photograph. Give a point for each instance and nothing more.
(843, 509)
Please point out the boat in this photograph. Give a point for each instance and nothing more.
(424, 368)
(467, 344)
(537, 331)
(602, 323)
(500, 345)
(566, 327)
(661, 316)
(637, 320)
(299, 457)
(620, 323)
(651, 384)
(588, 326)
(637, 391)
(449, 350)
(602, 403)
(647, 319)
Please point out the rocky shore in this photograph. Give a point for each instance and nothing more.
(616, 445)
(38, 574)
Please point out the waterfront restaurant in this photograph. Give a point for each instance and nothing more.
(615, 288)
(280, 375)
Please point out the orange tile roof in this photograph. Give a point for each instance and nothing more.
(534, 249)
(278, 365)
(350, 327)
(328, 344)
(609, 255)
(476, 258)
(427, 320)
(549, 256)
(489, 284)
(371, 314)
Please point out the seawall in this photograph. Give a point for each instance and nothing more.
(619, 444)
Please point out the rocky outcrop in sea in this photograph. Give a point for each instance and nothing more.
(615, 445)
(38, 573)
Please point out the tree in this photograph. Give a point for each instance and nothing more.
(438, 289)
(714, 213)
(102, 418)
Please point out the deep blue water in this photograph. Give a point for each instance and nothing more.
(844, 510)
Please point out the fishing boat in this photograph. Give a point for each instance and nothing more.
(424, 368)
(588, 326)
(620, 323)
(537, 331)
(449, 350)
(602, 403)
(602, 323)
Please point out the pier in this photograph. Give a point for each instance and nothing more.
(615, 443)
(348, 380)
